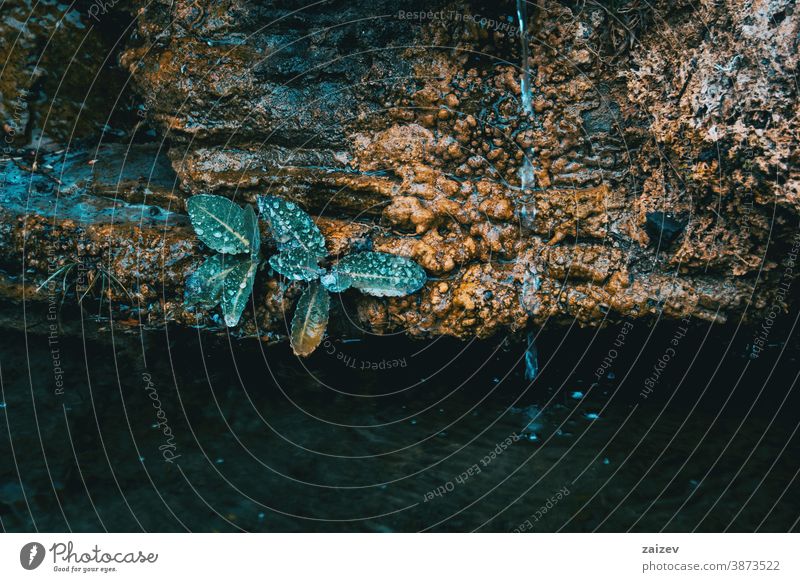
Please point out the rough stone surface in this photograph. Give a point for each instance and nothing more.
(406, 135)
(59, 79)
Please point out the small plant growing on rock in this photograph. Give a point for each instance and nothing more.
(227, 278)
(301, 247)
(94, 274)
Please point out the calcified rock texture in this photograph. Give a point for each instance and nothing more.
(664, 139)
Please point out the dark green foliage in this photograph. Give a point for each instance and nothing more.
(297, 265)
(379, 274)
(251, 226)
(302, 246)
(204, 286)
(291, 227)
(226, 278)
(219, 223)
(310, 319)
(236, 289)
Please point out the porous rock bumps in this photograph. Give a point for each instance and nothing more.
(406, 136)
(415, 126)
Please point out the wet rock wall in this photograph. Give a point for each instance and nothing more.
(662, 142)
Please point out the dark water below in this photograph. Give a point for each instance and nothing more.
(265, 442)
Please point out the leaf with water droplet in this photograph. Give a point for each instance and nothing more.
(336, 282)
(251, 225)
(204, 286)
(236, 290)
(297, 265)
(291, 227)
(219, 223)
(310, 319)
(379, 274)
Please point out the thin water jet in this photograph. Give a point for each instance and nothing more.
(527, 176)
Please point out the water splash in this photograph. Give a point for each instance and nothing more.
(532, 417)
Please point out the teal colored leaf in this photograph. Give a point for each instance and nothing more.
(310, 319)
(219, 223)
(297, 265)
(379, 274)
(236, 290)
(336, 282)
(254, 234)
(291, 227)
(204, 286)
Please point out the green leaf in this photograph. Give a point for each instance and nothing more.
(204, 286)
(296, 265)
(236, 290)
(254, 234)
(379, 274)
(310, 319)
(291, 227)
(336, 282)
(219, 223)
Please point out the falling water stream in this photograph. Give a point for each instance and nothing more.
(526, 171)
(525, 84)
(527, 212)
